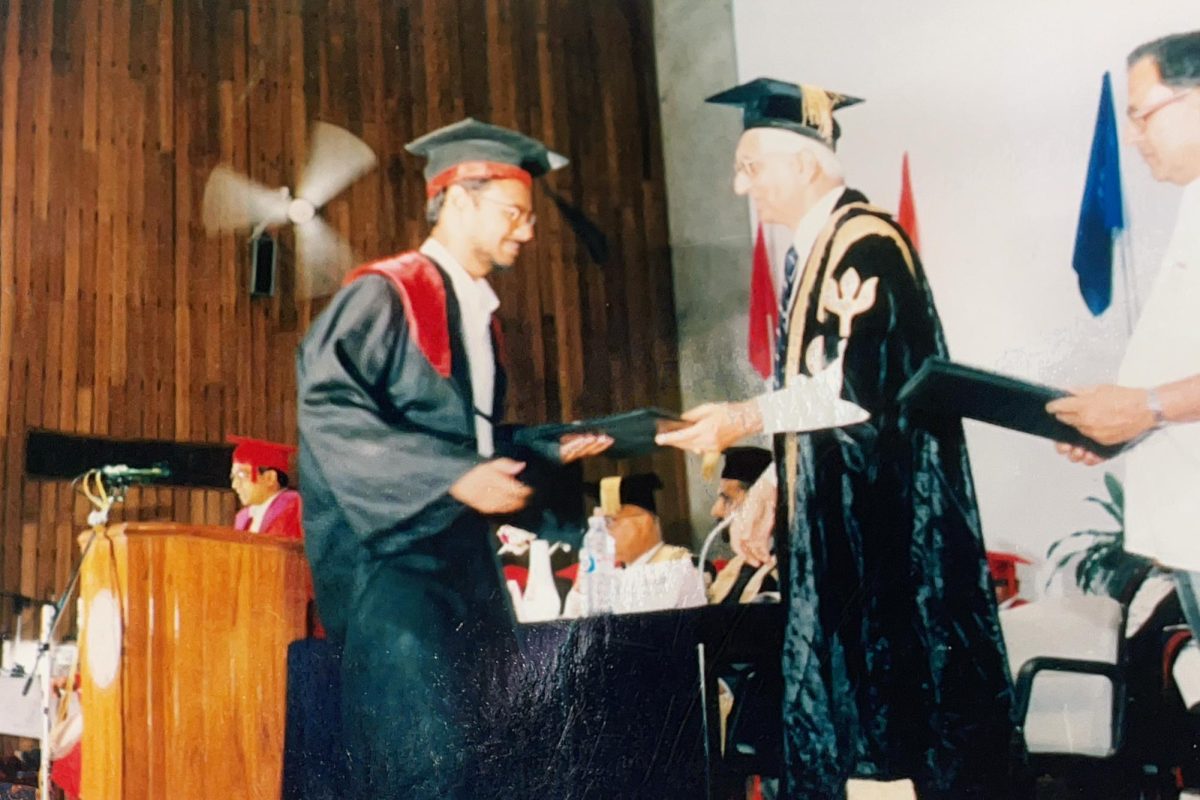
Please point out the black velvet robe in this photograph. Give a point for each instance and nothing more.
(894, 663)
(406, 577)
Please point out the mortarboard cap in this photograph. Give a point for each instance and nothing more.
(800, 108)
(262, 454)
(745, 464)
(635, 490)
(474, 150)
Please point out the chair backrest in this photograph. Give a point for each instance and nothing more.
(1067, 656)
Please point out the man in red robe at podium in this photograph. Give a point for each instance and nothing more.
(259, 475)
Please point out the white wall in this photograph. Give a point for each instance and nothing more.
(710, 246)
(995, 103)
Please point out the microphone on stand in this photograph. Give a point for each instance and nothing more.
(125, 475)
(118, 477)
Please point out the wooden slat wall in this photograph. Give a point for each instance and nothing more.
(119, 316)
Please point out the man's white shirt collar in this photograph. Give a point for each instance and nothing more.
(477, 302)
(257, 512)
(806, 233)
(475, 292)
(1185, 241)
(645, 557)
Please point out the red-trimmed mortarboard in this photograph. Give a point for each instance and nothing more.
(262, 454)
(470, 149)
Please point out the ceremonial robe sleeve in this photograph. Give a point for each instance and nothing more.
(388, 433)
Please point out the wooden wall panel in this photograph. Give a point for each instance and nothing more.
(120, 316)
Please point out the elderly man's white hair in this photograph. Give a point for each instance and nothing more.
(778, 140)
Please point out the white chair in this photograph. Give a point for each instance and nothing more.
(1067, 657)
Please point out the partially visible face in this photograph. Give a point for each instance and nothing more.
(251, 489)
(634, 530)
(774, 181)
(502, 220)
(1164, 124)
(729, 497)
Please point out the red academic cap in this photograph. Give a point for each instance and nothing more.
(261, 454)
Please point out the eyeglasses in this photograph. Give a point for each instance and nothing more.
(517, 217)
(747, 166)
(626, 512)
(750, 167)
(1140, 117)
(239, 475)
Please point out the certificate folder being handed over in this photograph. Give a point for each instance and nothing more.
(942, 388)
(633, 432)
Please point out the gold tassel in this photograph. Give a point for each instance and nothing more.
(817, 105)
(610, 495)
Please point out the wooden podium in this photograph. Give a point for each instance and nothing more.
(184, 661)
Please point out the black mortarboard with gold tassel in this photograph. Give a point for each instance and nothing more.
(800, 108)
(634, 490)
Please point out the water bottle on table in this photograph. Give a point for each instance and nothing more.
(598, 566)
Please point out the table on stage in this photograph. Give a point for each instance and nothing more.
(613, 706)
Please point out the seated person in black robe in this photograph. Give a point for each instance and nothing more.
(738, 581)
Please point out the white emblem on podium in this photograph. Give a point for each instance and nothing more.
(103, 638)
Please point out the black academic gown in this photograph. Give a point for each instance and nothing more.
(406, 577)
(893, 658)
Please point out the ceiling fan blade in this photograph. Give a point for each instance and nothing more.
(322, 258)
(234, 202)
(336, 158)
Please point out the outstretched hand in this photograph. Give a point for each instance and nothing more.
(1108, 414)
(576, 446)
(715, 427)
(750, 532)
(492, 487)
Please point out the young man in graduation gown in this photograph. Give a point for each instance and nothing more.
(399, 385)
(259, 476)
(893, 660)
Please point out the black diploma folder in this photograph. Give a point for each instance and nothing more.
(942, 388)
(633, 432)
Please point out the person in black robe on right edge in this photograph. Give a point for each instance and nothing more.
(894, 664)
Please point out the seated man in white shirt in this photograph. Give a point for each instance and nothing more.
(652, 575)
(656, 575)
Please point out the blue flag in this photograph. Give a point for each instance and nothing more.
(1101, 217)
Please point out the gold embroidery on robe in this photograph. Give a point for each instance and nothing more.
(844, 236)
(847, 298)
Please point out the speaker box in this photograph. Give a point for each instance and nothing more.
(263, 253)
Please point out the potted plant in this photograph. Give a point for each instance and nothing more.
(1102, 566)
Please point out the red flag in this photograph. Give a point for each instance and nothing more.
(764, 309)
(907, 216)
